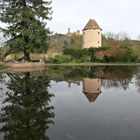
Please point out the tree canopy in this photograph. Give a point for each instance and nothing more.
(26, 24)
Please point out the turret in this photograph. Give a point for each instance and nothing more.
(92, 35)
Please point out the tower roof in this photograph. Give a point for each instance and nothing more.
(92, 24)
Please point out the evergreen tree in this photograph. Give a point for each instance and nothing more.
(26, 24)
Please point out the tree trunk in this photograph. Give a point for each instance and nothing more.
(27, 56)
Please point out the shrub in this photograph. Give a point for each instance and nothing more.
(117, 54)
(59, 59)
(84, 55)
(76, 52)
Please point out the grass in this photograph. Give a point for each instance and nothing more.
(94, 64)
(2, 67)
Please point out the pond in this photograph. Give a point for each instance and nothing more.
(70, 103)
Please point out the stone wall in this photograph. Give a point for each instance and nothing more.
(92, 38)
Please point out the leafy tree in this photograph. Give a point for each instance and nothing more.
(65, 44)
(26, 24)
(76, 52)
(76, 41)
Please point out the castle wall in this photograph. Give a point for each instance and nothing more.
(92, 38)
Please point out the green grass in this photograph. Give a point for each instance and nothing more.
(2, 67)
(94, 64)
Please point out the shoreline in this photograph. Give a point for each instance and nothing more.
(40, 64)
(20, 67)
(4, 68)
(94, 64)
(9, 66)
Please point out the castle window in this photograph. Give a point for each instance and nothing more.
(98, 33)
(98, 42)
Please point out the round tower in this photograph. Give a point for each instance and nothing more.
(92, 35)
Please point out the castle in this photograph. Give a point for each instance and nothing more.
(69, 33)
(92, 36)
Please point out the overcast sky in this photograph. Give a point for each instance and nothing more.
(112, 15)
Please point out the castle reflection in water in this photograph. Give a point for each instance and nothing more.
(92, 88)
(92, 78)
(42, 104)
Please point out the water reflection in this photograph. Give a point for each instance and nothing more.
(138, 82)
(26, 112)
(95, 78)
(108, 114)
(91, 88)
(114, 115)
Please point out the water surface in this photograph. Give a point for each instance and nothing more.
(64, 103)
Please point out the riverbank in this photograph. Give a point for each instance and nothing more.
(94, 64)
(42, 64)
(3, 68)
(34, 66)
(25, 65)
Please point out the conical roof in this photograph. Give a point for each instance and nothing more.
(92, 24)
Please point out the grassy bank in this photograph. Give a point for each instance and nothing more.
(3, 68)
(94, 64)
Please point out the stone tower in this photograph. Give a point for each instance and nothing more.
(69, 32)
(92, 35)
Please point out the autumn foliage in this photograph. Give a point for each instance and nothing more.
(111, 54)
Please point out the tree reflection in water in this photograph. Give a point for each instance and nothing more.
(138, 82)
(26, 112)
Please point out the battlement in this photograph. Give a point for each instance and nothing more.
(69, 33)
